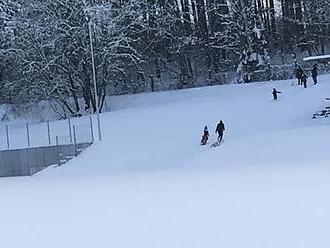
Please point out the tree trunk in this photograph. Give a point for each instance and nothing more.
(73, 89)
(272, 16)
(202, 22)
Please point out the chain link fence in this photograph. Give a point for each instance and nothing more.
(50, 133)
(27, 148)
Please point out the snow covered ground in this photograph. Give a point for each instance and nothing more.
(150, 184)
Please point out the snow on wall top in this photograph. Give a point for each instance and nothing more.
(323, 57)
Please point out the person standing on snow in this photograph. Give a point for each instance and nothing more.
(304, 80)
(299, 73)
(220, 129)
(275, 92)
(205, 136)
(314, 73)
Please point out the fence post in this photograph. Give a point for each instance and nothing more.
(48, 130)
(58, 152)
(91, 126)
(29, 163)
(7, 135)
(75, 140)
(70, 132)
(28, 134)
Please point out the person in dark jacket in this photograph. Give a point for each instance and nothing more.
(299, 73)
(314, 73)
(205, 136)
(220, 129)
(304, 80)
(275, 92)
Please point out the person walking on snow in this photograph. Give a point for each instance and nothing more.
(275, 92)
(220, 129)
(314, 73)
(205, 136)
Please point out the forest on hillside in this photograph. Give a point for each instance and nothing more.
(150, 45)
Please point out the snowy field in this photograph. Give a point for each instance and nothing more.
(149, 184)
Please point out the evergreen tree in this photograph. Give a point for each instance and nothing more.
(254, 58)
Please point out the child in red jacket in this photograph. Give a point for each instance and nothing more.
(205, 137)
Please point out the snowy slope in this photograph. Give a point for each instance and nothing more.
(163, 130)
(150, 184)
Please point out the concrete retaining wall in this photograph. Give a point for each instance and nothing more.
(26, 162)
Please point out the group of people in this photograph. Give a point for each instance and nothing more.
(219, 130)
(302, 80)
(302, 77)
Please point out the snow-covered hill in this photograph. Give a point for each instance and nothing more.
(150, 184)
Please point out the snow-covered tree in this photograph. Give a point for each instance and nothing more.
(54, 46)
(223, 36)
(254, 58)
(45, 48)
(8, 68)
(316, 22)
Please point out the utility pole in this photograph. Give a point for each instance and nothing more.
(94, 80)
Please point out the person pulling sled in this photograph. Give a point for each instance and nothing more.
(205, 136)
(220, 129)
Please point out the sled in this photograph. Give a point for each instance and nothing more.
(216, 144)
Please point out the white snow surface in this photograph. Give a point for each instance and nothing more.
(149, 184)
